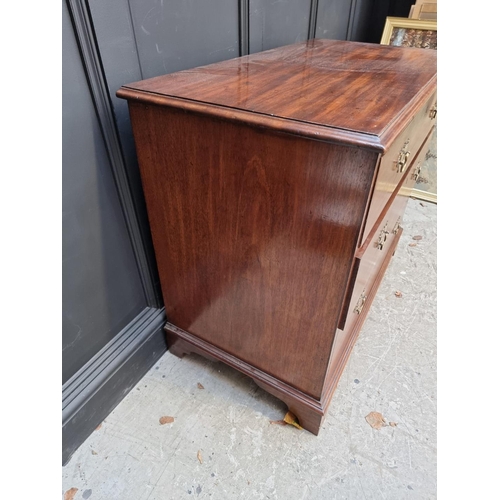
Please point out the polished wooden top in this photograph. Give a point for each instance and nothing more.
(327, 89)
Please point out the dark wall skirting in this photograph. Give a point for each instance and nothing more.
(97, 388)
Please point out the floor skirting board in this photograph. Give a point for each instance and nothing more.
(96, 389)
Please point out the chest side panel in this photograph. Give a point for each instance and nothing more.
(254, 235)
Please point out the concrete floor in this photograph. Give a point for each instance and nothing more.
(221, 444)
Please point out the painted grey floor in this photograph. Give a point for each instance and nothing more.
(392, 370)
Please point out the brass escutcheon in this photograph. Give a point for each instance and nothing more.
(433, 112)
(403, 156)
(382, 237)
(397, 227)
(416, 174)
(360, 303)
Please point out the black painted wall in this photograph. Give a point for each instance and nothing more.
(112, 313)
(381, 9)
(274, 24)
(102, 291)
(112, 305)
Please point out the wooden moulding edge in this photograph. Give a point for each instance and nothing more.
(275, 123)
(277, 387)
(396, 126)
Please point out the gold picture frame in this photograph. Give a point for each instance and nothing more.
(417, 33)
(420, 33)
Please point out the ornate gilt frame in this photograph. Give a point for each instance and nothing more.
(404, 22)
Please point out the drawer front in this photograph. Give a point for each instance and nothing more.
(395, 163)
(372, 258)
(398, 201)
(414, 170)
(366, 277)
(372, 253)
(367, 266)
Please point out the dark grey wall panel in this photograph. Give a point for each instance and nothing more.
(382, 9)
(333, 19)
(102, 291)
(361, 20)
(278, 23)
(179, 34)
(120, 61)
(114, 31)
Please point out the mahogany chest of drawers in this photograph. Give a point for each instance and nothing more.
(275, 186)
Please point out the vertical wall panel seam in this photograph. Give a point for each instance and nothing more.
(135, 39)
(350, 22)
(313, 18)
(244, 27)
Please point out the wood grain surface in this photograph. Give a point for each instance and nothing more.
(254, 235)
(356, 91)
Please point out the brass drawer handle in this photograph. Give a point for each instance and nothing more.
(416, 174)
(397, 227)
(433, 112)
(360, 303)
(382, 237)
(403, 156)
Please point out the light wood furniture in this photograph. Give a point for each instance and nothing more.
(273, 185)
(424, 10)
